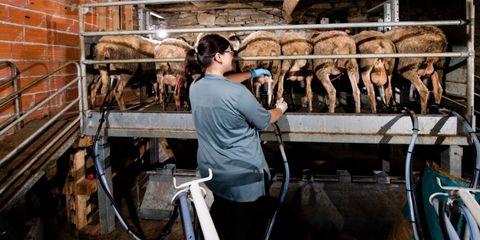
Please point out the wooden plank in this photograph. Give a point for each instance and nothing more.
(85, 187)
(288, 8)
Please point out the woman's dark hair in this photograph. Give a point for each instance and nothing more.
(200, 58)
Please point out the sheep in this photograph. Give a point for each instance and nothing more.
(261, 43)
(296, 43)
(376, 71)
(415, 39)
(171, 73)
(336, 42)
(120, 47)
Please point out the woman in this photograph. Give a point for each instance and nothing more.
(227, 119)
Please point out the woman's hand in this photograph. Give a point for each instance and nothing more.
(260, 72)
(281, 104)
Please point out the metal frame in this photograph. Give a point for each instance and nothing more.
(343, 128)
(315, 127)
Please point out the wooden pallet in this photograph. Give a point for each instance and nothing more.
(79, 190)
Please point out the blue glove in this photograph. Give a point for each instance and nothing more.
(260, 72)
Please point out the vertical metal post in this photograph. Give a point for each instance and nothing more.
(451, 160)
(83, 69)
(107, 216)
(154, 155)
(387, 15)
(470, 8)
(395, 10)
(141, 26)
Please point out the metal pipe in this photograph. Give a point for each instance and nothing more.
(83, 71)
(470, 7)
(188, 231)
(282, 27)
(15, 94)
(291, 57)
(35, 134)
(43, 151)
(80, 93)
(36, 108)
(14, 73)
(377, 7)
(140, 2)
(459, 104)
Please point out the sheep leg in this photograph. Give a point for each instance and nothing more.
(105, 83)
(413, 77)
(94, 89)
(354, 79)
(285, 67)
(388, 90)
(161, 91)
(276, 72)
(370, 90)
(308, 94)
(437, 87)
(176, 95)
(327, 84)
(124, 78)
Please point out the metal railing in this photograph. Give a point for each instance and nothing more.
(12, 79)
(15, 95)
(469, 54)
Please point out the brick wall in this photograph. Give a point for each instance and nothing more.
(40, 35)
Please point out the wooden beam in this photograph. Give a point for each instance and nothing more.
(289, 7)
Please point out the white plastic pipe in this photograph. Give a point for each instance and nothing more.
(471, 204)
(206, 222)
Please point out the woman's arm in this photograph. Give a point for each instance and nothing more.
(275, 114)
(238, 77)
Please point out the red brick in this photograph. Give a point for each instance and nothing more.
(51, 7)
(33, 68)
(24, 51)
(4, 13)
(35, 19)
(18, 3)
(71, 95)
(66, 39)
(61, 24)
(37, 35)
(42, 86)
(27, 101)
(11, 32)
(7, 111)
(65, 53)
(5, 50)
(5, 91)
(60, 81)
(6, 71)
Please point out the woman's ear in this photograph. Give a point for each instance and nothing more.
(217, 57)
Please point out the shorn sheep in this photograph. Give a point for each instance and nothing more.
(418, 71)
(336, 42)
(376, 71)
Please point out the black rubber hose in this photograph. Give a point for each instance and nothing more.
(285, 182)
